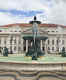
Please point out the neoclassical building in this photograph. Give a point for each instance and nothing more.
(11, 36)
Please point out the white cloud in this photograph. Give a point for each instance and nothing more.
(6, 18)
(58, 12)
(22, 4)
(19, 5)
(54, 10)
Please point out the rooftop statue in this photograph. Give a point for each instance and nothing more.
(34, 18)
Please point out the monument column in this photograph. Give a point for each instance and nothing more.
(41, 44)
(26, 45)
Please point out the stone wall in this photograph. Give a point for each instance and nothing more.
(32, 71)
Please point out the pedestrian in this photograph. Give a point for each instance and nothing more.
(5, 52)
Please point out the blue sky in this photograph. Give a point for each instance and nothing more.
(29, 13)
(22, 11)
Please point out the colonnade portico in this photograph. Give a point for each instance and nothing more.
(26, 45)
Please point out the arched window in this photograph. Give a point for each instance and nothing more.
(52, 42)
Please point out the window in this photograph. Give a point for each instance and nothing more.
(14, 48)
(15, 41)
(19, 42)
(11, 39)
(19, 31)
(52, 48)
(57, 42)
(48, 48)
(62, 41)
(0, 41)
(52, 31)
(10, 47)
(53, 42)
(5, 41)
(48, 42)
(19, 48)
(63, 49)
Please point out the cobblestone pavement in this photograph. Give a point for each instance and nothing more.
(32, 75)
(31, 71)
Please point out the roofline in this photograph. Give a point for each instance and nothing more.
(29, 25)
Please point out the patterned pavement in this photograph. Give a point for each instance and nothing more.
(8, 73)
(32, 75)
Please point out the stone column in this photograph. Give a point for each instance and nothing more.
(22, 45)
(46, 47)
(41, 45)
(26, 45)
(17, 44)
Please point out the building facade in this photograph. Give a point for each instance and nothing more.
(11, 36)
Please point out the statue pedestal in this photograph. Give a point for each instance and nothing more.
(34, 58)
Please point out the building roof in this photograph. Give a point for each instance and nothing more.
(29, 25)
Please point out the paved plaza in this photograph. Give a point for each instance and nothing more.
(23, 58)
(19, 67)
